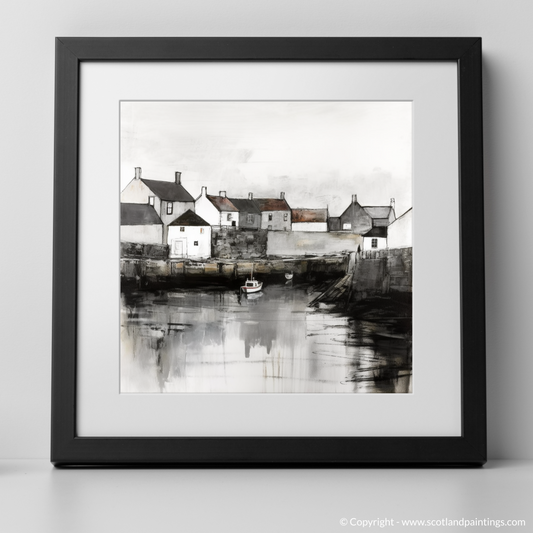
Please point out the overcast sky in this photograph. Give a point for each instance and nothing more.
(318, 153)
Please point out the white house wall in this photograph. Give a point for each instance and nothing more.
(178, 208)
(234, 217)
(400, 232)
(149, 234)
(136, 192)
(190, 235)
(367, 243)
(310, 226)
(206, 210)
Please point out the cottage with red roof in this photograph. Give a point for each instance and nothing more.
(168, 198)
(275, 213)
(217, 210)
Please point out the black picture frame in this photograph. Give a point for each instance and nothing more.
(68, 449)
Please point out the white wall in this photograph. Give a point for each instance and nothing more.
(136, 192)
(149, 234)
(289, 243)
(309, 226)
(367, 243)
(27, 32)
(192, 234)
(400, 232)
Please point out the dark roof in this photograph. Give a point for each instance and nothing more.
(379, 211)
(138, 215)
(168, 190)
(309, 215)
(189, 219)
(245, 205)
(222, 203)
(272, 204)
(378, 231)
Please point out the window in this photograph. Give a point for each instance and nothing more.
(347, 226)
(269, 217)
(151, 200)
(229, 216)
(182, 228)
(201, 230)
(170, 208)
(249, 219)
(374, 243)
(195, 243)
(285, 216)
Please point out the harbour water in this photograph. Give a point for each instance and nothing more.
(213, 340)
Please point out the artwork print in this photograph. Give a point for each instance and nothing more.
(266, 247)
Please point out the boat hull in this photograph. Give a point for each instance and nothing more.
(251, 290)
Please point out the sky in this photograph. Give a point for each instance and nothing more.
(318, 153)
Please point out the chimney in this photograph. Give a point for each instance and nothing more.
(138, 173)
(250, 196)
(178, 177)
(354, 198)
(393, 203)
(282, 196)
(204, 191)
(222, 193)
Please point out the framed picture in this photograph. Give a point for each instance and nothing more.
(268, 251)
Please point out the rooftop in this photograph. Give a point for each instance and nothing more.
(138, 215)
(246, 205)
(272, 204)
(378, 231)
(378, 211)
(189, 219)
(222, 203)
(168, 190)
(309, 215)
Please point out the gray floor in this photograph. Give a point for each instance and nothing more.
(35, 497)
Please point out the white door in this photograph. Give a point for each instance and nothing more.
(177, 247)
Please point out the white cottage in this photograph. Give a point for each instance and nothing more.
(169, 198)
(275, 213)
(189, 236)
(217, 210)
(140, 223)
(375, 239)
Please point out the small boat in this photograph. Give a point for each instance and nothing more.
(289, 276)
(252, 285)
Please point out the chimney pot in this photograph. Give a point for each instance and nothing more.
(222, 193)
(178, 176)
(393, 203)
(138, 172)
(204, 191)
(250, 196)
(282, 196)
(354, 198)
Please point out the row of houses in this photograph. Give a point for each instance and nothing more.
(154, 211)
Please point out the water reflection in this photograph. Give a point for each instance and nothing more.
(211, 340)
